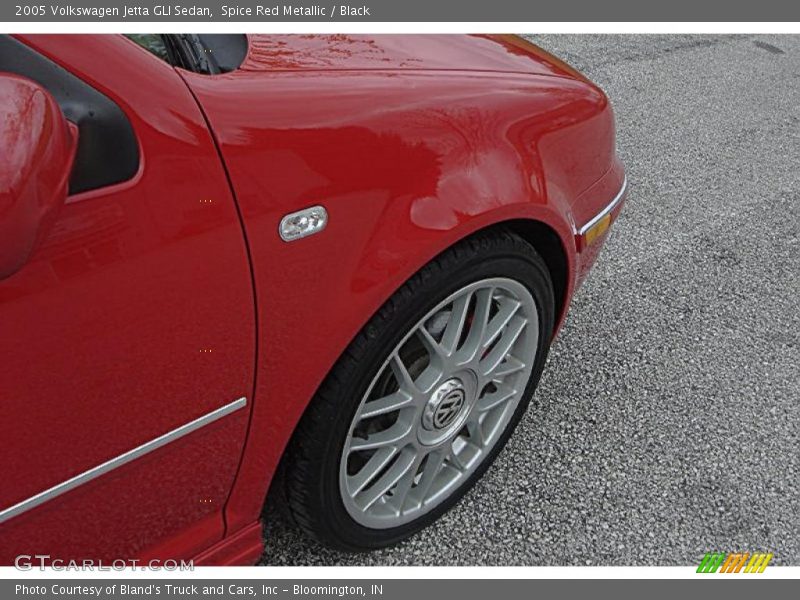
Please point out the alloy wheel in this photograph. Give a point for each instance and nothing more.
(439, 403)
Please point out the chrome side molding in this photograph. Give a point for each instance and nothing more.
(609, 207)
(109, 465)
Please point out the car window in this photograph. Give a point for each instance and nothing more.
(151, 42)
(200, 53)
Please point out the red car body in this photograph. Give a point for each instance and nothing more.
(159, 300)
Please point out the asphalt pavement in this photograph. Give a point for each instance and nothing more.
(666, 423)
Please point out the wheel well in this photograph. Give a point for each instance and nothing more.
(547, 243)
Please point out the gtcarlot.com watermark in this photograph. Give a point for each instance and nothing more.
(29, 562)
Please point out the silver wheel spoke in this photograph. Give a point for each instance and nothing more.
(476, 433)
(433, 347)
(495, 399)
(503, 346)
(500, 320)
(404, 379)
(455, 460)
(386, 481)
(433, 467)
(510, 366)
(387, 437)
(455, 325)
(480, 320)
(376, 463)
(387, 404)
(400, 492)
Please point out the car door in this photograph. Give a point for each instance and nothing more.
(127, 340)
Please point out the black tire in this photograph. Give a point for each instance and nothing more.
(311, 464)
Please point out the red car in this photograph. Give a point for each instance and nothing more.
(329, 267)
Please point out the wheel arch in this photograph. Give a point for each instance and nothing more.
(546, 241)
(543, 237)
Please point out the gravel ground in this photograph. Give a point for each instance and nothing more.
(667, 417)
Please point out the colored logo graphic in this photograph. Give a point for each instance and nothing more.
(734, 562)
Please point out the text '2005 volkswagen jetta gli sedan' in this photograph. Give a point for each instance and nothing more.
(326, 266)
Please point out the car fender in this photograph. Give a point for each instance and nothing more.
(406, 165)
